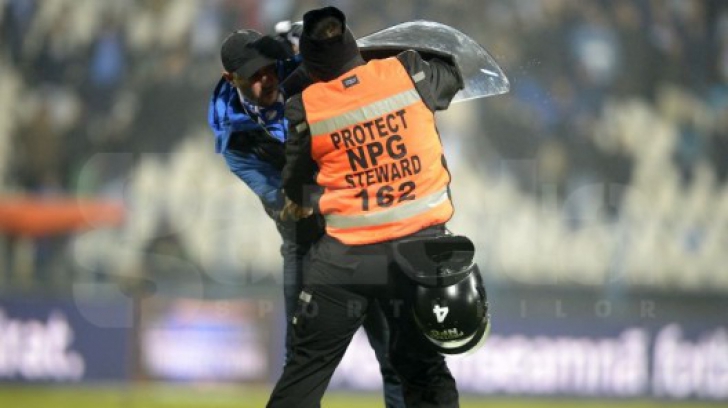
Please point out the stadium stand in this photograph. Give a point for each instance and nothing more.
(606, 164)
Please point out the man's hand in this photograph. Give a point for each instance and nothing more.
(294, 212)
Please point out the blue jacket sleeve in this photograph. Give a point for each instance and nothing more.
(259, 176)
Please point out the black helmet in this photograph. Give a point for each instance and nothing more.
(450, 305)
(454, 318)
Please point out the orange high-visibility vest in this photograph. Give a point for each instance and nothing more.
(379, 155)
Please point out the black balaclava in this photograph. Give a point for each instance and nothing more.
(329, 58)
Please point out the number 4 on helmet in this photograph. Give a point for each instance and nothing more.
(450, 306)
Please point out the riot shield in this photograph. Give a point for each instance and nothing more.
(482, 76)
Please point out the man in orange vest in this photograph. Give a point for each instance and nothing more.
(364, 134)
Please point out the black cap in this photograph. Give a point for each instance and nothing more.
(326, 59)
(244, 52)
(314, 16)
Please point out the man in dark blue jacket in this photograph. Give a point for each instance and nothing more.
(246, 116)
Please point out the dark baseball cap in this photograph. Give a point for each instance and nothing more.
(244, 52)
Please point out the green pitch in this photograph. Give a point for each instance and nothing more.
(245, 397)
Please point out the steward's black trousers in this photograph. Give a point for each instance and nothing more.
(294, 250)
(339, 285)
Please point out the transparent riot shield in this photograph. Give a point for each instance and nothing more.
(481, 74)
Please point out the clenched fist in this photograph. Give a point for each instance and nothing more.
(294, 212)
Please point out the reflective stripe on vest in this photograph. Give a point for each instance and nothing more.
(391, 104)
(379, 155)
(402, 212)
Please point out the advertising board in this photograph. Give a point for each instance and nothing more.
(579, 344)
(54, 341)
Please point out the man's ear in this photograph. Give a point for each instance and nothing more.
(228, 76)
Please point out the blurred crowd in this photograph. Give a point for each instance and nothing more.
(606, 162)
